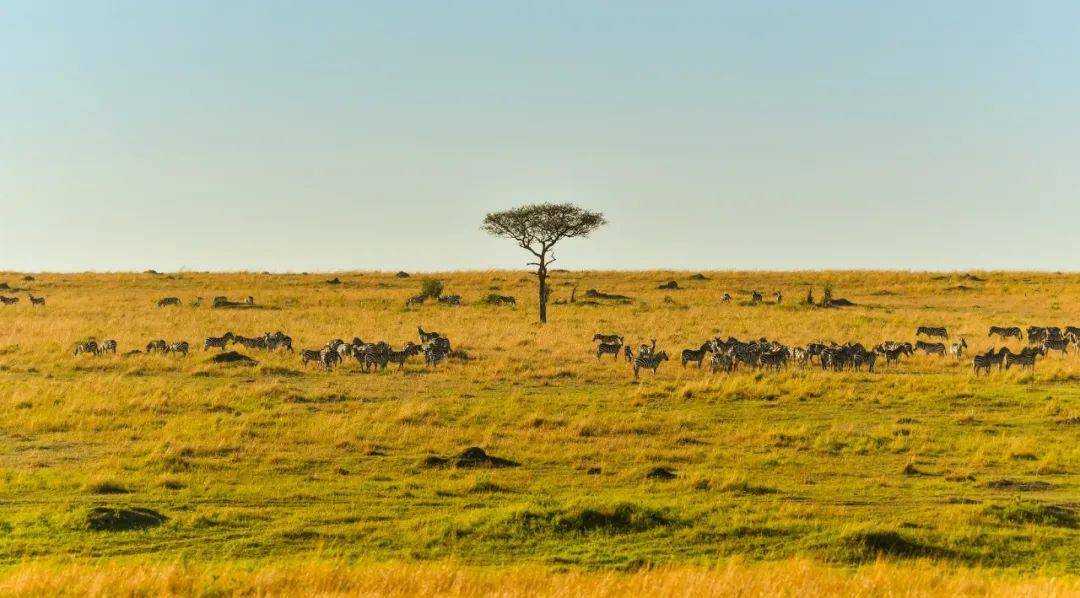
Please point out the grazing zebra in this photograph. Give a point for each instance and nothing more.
(697, 355)
(450, 300)
(931, 348)
(755, 297)
(89, 347)
(957, 349)
(774, 359)
(36, 300)
(219, 342)
(1036, 334)
(426, 337)
(1006, 332)
(779, 297)
(984, 362)
(108, 346)
(932, 331)
(1073, 330)
(278, 340)
(180, 347)
(611, 339)
(400, 357)
(434, 353)
(892, 352)
(502, 300)
(1057, 344)
(649, 362)
(329, 358)
(8, 300)
(168, 301)
(612, 349)
(1023, 359)
(257, 342)
(725, 298)
(629, 353)
(416, 300)
(869, 358)
(157, 346)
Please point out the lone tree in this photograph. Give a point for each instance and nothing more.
(537, 228)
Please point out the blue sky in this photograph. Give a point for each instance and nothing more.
(356, 135)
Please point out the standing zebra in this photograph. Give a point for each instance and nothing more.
(157, 346)
(179, 347)
(1006, 332)
(930, 348)
(108, 346)
(612, 349)
(629, 353)
(36, 300)
(957, 349)
(168, 301)
(612, 339)
(755, 297)
(649, 362)
(8, 300)
(932, 331)
(983, 361)
(219, 342)
(779, 297)
(400, 357)
(697, 355)
(89, 347)
(426, 337)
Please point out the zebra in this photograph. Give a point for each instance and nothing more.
(257, 342)
(400, 357)
(1036, 334)
(1058, 344)
(645, 350)
(774, 359)
(725, 298)
(219, 342)
(108, 346)
(157, 346)
(426, 336)
(1023, 359)
(1073, 330)
(957, 349)
(722, 361)
(755, 297)
(984, 361)
(8, 300)
(329, 358)
(862, 356)
(168, 301)
(697, 355)
(309, 355)
(89, 347)
(931, 331)
(629, 353)
(450, 300)
(611, 339)
(892, 352)
(502, 300)
(612, 349)
(278, 340)
(434, 353)
(179, 347)
(779, 297)
(36, 300)
(649, 362)
(416, 300)
(1006, 332)
(930, 348)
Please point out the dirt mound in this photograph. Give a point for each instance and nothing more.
(972, 278)
(595, 294)
(661, 473)
(840, 302)
(670, 285)
(1019, 485)
(959, 287)
(471, 458)
(122, 519)
(699, 276)
(233, 357)
(873, 544)
(402, 274)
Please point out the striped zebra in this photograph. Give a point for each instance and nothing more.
(755, 297)
(278, 340)
(1057, 344)
(168, 301)
(376, 357)
(611, 339)
(721, 361)
(697, 355)
(36, 300)
(863, 357)
(1073, 330)
(628, 353)
(1006, 332)
(725, 298)
(180, 347)
(434, 353)
(957, 349)
(1023, 359)
(329, 358)
(984, 361)
(930, 348)
(649, 362)
(257, 342)
(779, 296)
(8, 300)
(400, 357)
(218, 342)
(1036, 334)
(309, 355)
(773, 359)
(454, 300)
(157, 346)
(89, 347)
(612, 349)
(108, 346)
(426, 337)
(416, 300)
(932, 331)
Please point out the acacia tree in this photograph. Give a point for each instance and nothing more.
(537, 228)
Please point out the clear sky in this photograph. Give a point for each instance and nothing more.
(360, 135)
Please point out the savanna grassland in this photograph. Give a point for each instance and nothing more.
(920, 478)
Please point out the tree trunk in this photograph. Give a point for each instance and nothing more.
(541, 273)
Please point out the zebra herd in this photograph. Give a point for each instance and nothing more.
(433, 346)
(219, 301)
(36, 301)
(729, 354)
(376, 356)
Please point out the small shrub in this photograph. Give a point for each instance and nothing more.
(431, 287)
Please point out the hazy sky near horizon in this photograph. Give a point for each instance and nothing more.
(324, 135)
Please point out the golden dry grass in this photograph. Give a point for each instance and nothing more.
(254, 465)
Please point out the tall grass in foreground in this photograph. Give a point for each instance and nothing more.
(786, 578)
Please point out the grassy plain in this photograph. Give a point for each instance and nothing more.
(253, 467)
